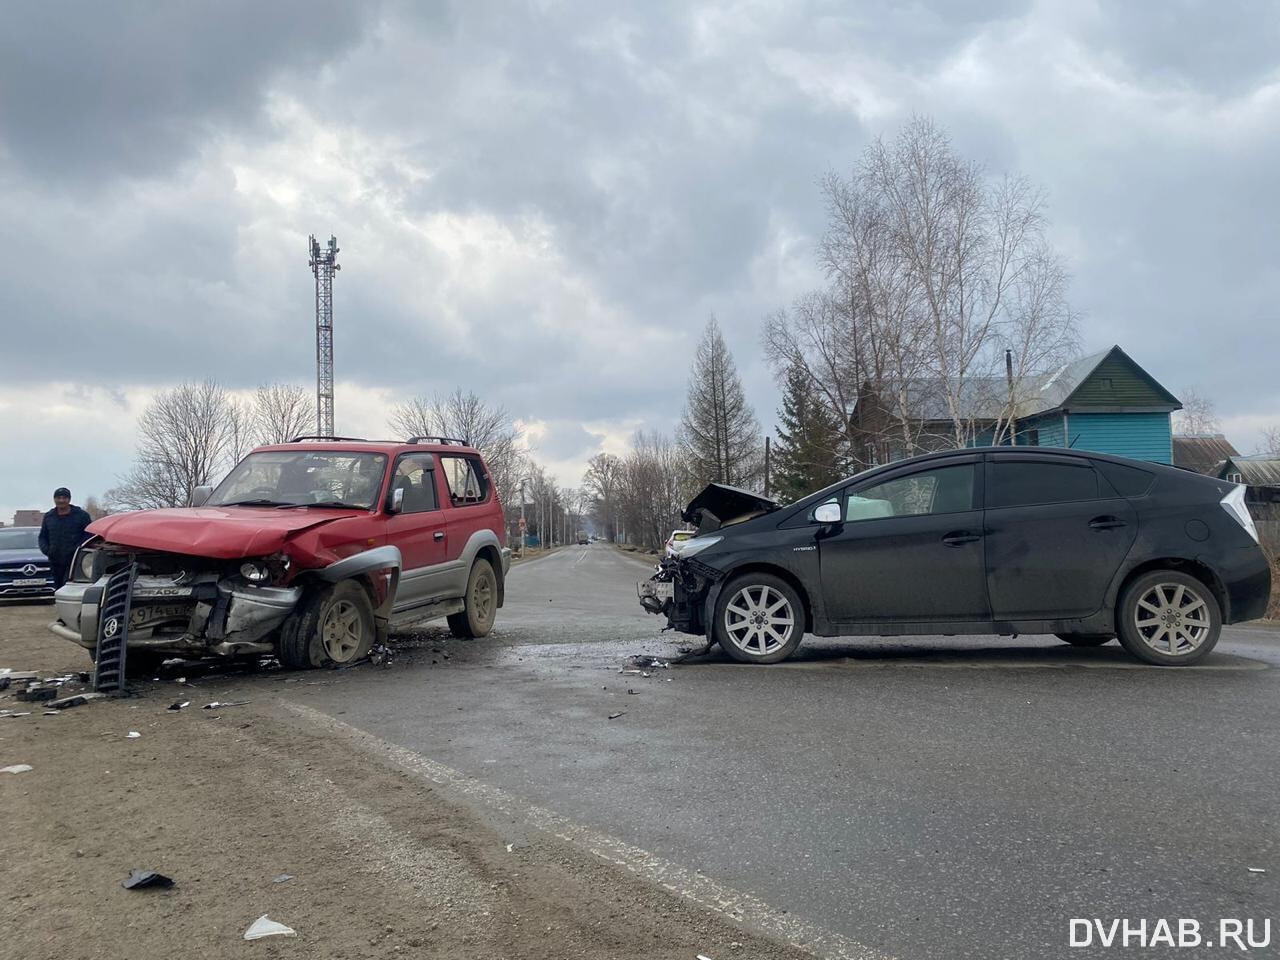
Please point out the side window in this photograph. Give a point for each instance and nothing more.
(1128, 481)
(944, 490)
(415, 475)
(466, 479)
(1016, 483)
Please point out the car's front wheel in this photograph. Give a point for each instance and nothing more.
(481, 603)
(758, 619)
(1169, 618)
(1086, 639)
(333, 627)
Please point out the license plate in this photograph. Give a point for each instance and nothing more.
(146, 616)
(39, 582)
(663, 590)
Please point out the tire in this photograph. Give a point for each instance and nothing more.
(1085, 639)
(333, 627)
(758, 595)
(481, 600)
(1169, 618)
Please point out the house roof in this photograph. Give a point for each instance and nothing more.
(987, 398)
(1261, 470)
(1202, 452)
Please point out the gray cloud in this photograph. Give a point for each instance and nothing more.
(547, 201)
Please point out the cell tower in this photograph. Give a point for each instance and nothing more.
(323, 263)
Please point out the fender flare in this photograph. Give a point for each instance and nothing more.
(367, 562)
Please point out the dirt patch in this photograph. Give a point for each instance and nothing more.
(226, 800)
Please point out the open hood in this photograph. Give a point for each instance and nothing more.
(224, 533)
(718, 505)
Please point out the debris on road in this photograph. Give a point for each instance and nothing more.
(615, 716)
(132, 735)
(264, 926)
(510, 847)
(180, 705)
(143, 879)
(16, 768)
(703, 956)
(381, 654)
(75, 701)
(15, 713)
(37, 694)
(1257, 870)
(283, 878)
(645, 662)
(229, 703)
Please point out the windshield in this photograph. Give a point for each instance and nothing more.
(277, 478)
(20, 538)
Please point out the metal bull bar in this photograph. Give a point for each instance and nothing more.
(113, 631)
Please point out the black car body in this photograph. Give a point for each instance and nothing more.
(24, 569)
(1000, 540)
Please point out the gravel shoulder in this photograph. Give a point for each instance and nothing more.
(226, 800)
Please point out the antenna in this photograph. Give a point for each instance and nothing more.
(323, 263)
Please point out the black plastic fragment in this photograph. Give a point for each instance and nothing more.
(142, 879)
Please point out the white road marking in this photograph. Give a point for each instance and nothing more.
(692, 886)
(582, 556)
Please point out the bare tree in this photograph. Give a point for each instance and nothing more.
(184, 438)
(653, 488)
(601, 481)
(93, 506)
(718, 432)
(1271, 441)
(465, 416)
(1197, 415)
(240, 432)
(281, 411)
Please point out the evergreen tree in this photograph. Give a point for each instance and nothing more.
(718, 432)
(807, 456)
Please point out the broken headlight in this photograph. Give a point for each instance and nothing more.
(255, 571)
(697, 545)
(272, 569)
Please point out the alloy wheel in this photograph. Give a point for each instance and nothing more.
(1172, 619)
(759, 620)
(482, 598)
(342, 631)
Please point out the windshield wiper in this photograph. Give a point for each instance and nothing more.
(335, 503)
(256, 502)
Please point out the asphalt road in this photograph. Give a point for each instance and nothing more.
(926, 797)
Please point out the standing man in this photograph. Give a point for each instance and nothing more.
(61, 534)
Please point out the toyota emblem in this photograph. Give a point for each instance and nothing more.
(29, 570)
(112, 627)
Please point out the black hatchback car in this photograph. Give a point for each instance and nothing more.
(1001, 540)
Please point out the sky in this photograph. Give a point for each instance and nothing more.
(544, 201)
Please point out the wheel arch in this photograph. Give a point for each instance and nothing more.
(1193, 568)
(782, 573)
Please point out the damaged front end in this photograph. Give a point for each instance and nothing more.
(182, 605)
(678, 591)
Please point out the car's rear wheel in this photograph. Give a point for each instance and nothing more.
(1086, 639)
(1169, 618)
(334, 627)
(758, 619)
(481, 600)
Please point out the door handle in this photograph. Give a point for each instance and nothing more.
(1105, 523)
(438, 535)
(960, 537)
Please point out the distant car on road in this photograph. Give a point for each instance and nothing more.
(582, 540)
(1004, 540)
(310, 550)
(24, 570)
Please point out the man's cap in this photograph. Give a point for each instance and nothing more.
(62, 492)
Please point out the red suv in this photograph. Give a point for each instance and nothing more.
(311, 550)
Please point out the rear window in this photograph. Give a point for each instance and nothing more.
(467, 481)
(1019, 483)
(1128, 481)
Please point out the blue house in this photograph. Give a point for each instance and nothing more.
(1103, 402)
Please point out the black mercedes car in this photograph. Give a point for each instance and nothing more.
(1003, 540)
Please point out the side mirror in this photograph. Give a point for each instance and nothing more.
(396, 503)
(200, 496)
(827, 513)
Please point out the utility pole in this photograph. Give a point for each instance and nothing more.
(1013, 409)
(323, 263)
(766, 466)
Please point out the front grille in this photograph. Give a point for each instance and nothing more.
(8, 570)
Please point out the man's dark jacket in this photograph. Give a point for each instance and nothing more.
(61, 535)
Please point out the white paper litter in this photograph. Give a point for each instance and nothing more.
(264, 926)
(16, 768)
(133, 735)
(1257, 870)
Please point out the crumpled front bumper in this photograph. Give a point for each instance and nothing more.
(679, 591)
(223, 618)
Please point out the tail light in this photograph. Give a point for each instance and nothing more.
(1234, 504)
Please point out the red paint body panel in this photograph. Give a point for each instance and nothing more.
(224, 533)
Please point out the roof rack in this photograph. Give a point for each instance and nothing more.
(447, 440)
(308, 436)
